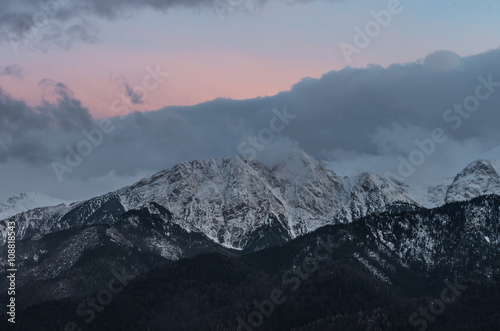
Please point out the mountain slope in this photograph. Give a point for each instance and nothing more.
(73, 261)
(372, 273)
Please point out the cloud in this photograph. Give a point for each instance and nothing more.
(48, 23)
(443, 61)
(352, 119)
(136, 97)
(13, 70)
(27, 133)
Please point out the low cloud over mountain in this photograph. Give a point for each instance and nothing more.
(350, 119)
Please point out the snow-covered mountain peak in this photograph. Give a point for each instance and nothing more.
(370, 180)
(370, 192)
(477, 178)
(481, 167)
(227, 199)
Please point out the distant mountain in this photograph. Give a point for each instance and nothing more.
(370, 193)
(478, 178)
(26, 201)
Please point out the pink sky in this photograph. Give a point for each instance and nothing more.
(208, 76)
(244, 56)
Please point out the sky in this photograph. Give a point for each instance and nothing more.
(156, 82)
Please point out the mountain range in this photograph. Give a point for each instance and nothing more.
(257, 222)
(230, 201)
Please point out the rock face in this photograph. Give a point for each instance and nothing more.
(247, 205)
